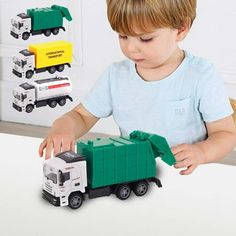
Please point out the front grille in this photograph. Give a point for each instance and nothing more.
(48, 188)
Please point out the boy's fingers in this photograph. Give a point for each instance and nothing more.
(178, 148)
(41, 148)
(181, 156)
(188, 171)
(57, 148)
(66, 146)
(72, 148)
(48, 151)
(182, 164)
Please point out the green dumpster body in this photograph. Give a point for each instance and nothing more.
(49, 17)
(123, 159)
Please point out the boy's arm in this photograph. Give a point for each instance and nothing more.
(221, 141)
(66, 129)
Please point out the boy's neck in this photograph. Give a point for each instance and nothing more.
(163, 71)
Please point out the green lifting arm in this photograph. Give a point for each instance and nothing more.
(64, 11)
(159, 145)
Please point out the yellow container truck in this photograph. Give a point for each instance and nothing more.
(51, 57)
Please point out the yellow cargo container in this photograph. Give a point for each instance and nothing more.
(51, 54)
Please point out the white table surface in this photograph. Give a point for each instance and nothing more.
(203, 203)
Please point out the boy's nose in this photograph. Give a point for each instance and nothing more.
(132, 47)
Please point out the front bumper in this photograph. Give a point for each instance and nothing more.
(14, 35)
(50, 198)
(17, 73)
(17, 107)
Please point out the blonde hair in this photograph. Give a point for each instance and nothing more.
(126, 16)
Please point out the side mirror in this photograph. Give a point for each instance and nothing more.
(61, 178)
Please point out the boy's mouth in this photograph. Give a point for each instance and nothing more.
(138, 60)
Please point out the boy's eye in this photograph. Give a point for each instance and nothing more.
(146, 40)
(122, 36)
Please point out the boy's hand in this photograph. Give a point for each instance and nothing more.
(188, 156)
(56, 142)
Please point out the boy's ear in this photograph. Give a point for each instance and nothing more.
(184, 29)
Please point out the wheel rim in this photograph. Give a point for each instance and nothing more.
(60, 68)
(76, 201)
(47, 33)
(124, 192)
(52, 70)
(25, 36)
(62, 102)
(29, 108)
(55, 31)
(53, 104)
(29, 74)
(141, 188)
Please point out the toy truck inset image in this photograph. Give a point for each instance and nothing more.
(41, 93)
(39, 21)
(117, 165)
(42, 57)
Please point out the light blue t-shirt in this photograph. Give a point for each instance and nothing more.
(176, 107)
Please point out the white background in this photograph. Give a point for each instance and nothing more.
(202, 203)
(213, 36)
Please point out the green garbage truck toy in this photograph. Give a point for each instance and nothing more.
(104, 166)
(39, 21)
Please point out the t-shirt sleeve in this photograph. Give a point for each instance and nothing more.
(98, 101)
(213, 99)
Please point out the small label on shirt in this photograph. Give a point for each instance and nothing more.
(180, 111)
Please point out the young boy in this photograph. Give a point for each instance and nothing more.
(160, 88)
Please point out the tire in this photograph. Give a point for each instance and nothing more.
(52, 69)
(140, 188)
(29, 108)
(60, 68)
(29, 74)
(123, 191)
(76, 200)
(62, 102)
(55, 31)
(47, 32)
(25, 35)
(52, 103)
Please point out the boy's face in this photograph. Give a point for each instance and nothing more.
(150, 50)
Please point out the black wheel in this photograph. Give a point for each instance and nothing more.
(62, 102)
(140, 188)
(29, 74)
(52, 103)
(47, 32)
(52, 69)
(60, 68)
(75, 200)
(55, 31)
(29, 108)
(25, 35)
(123, 192)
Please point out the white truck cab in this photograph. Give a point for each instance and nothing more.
(64, 175)
(24, 64)
(21, 26)
(24, 95)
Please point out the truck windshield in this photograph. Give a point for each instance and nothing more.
(13, 23)
(48, 173)
(52, 176)
(20, 25)
(23, 97)
(17, 62)
(16, 95)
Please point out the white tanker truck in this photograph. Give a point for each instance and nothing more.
(40, 93)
